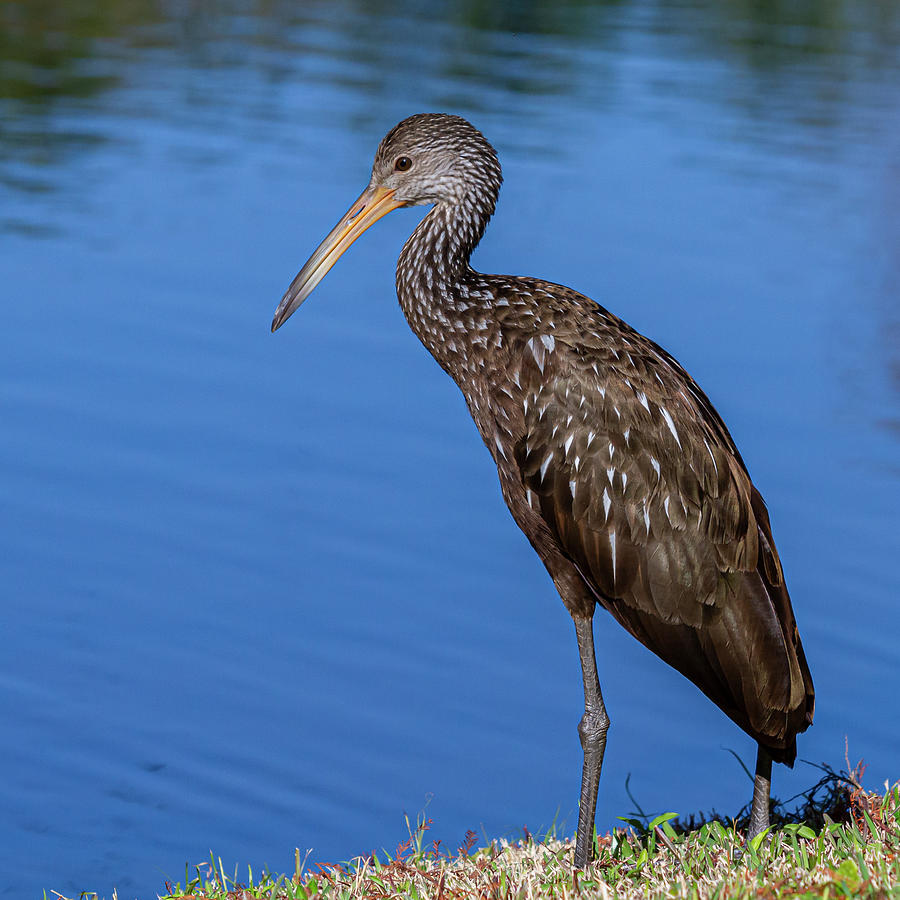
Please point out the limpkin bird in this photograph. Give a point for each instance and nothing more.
(611, 459)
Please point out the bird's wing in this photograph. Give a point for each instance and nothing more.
(636, 476)
(637, 479)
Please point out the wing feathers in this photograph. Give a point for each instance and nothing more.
(643, 490)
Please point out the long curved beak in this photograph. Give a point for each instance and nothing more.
(372, 204)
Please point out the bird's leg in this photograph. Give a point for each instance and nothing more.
(759, 809)
(592, 731)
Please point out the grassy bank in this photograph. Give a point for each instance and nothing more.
(847, 846)
(661, 857)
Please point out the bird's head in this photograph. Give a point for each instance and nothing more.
(430, 158)
(435, 158)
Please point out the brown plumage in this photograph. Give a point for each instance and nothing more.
(612, 460)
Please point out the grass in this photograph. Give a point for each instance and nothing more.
(846, 844)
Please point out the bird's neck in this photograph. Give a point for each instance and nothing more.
(435, 281)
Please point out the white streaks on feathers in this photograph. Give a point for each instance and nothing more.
(538, 351)
(712, 456)
(667, 416)
(545, 465)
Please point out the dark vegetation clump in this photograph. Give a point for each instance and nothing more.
(837, 796)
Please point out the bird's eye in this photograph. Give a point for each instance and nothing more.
(402, 164)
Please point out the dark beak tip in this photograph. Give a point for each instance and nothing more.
(279, 319)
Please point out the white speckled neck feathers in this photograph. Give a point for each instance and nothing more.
(445, 301)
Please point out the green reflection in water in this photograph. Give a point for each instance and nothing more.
(62, 62)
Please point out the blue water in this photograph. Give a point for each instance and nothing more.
(261, 592)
